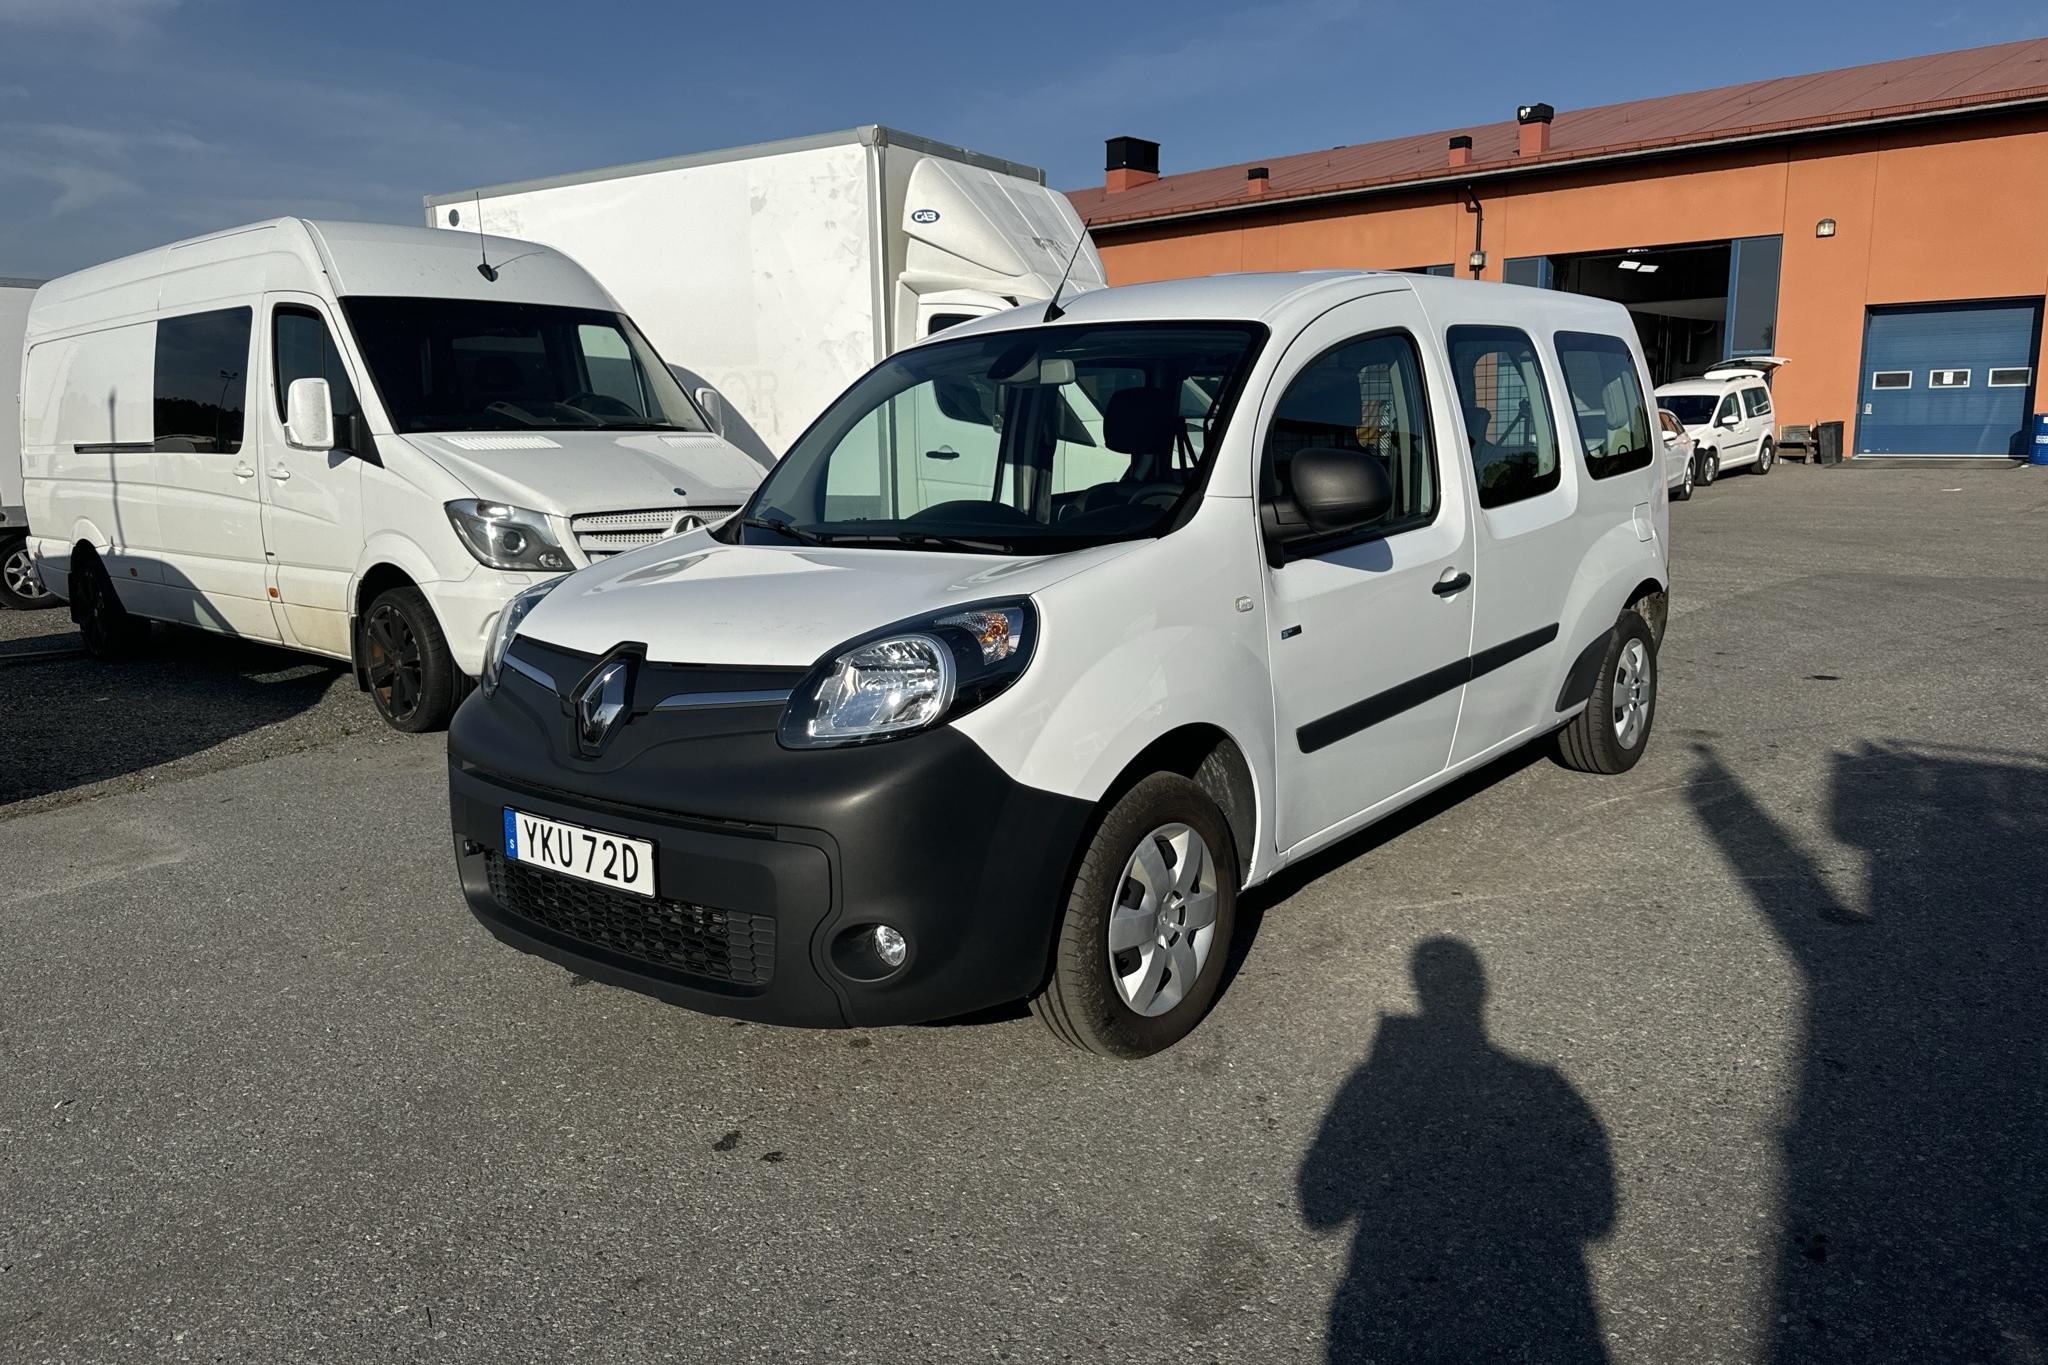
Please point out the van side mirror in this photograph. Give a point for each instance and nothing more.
(1340, 490)
(309, 415)
(714, 408)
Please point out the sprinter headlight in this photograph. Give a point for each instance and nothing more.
(505, 628)
(506, 537)
(911, 676)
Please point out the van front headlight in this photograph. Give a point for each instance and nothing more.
(505, 629)
(506, 537)
(911, 676)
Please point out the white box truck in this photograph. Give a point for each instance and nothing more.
(19, 586)
(776, 274)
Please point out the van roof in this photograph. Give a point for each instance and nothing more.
(1285, 299)
(325, 255)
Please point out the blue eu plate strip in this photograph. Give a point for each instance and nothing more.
(511, 834)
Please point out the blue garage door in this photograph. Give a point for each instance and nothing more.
(1948, 378)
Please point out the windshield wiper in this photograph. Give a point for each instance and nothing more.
(783, 528)
(922, 539)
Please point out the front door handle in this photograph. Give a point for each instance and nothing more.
(1453, 582)
(242, 471)
(280, 473)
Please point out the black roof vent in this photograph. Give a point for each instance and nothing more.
(1131, 154)
(1535, 113)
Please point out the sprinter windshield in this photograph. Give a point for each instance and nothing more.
(1020, 442)
(466, 365)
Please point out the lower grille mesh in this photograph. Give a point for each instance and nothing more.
(695, 940)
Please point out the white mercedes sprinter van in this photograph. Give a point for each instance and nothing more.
(353, 439)
(1051, 637)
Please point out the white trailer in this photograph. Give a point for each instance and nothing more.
(19, 586)
(776, 274)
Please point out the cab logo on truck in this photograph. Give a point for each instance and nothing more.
(600, 702)
(925, 216)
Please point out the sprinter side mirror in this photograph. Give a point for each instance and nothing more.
(714, 408)
(309, 415)
(1340, 490)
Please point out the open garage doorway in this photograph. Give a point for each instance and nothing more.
(1694, 304)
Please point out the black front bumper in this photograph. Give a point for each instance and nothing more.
(771, 864)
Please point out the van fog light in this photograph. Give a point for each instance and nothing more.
(890, 946)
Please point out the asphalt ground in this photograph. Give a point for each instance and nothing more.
(1742, 1056)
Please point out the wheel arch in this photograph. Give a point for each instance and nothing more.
(372, 583)
(1206, 755)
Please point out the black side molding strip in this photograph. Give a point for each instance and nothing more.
(1584, 672)
(113, 447)
(1363, 715)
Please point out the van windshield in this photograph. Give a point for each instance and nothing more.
(1019, 442)
(470, 365)
(1693, 409)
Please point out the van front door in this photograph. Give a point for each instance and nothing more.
(1369, 631)
(312, 499)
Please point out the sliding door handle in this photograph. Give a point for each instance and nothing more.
(1453, 582)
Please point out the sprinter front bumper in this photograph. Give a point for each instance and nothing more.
(772, 866)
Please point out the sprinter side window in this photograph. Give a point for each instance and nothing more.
(202, 375)
(302, 348)
(1607, 402)
(1506, 413)
(1366, 396)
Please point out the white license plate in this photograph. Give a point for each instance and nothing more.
(589, 854)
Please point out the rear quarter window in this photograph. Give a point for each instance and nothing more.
(1607, 401)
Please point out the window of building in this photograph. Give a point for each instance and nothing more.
(1507, 413)
(1948, 379)
(1892, 379)
(1364, 396)
(1607, 402)
(2014, 377)
(302, 348)
(1757, 401)
(202, 363)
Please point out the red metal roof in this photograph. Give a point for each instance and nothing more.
(1789, 104)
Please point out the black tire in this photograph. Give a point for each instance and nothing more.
(1766, 456)
(413, 681)
(1081, 1003)
(104, 625)
(1710, 468)
(19, 586)
(1594, 741)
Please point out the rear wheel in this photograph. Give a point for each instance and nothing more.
(19, 586)
(405, 657)
(1683, 492)
(1609, 736)
(1766, 456)
(1148, 923)
(104, 625)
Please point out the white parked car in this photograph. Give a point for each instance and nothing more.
(1681, 468)
(980, 698)
(1727, 412)
(352, 439)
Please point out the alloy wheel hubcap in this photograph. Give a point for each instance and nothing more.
(394, 663)
(1632, 694)
(19, 575)
(1162, 925)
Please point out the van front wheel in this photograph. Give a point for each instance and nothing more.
(405, 658)
(1147, 926)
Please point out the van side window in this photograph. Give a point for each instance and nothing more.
(202, 373)
(1757, 402)
(301, 348)
(1507, 413)
(1607, 402)
(1365, 396)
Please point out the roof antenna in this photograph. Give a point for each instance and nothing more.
(1053, 311)
(484, 267)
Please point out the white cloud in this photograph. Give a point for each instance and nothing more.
(117, 18)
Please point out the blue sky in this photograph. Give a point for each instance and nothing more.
(126, 123)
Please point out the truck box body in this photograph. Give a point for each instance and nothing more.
(778, 273)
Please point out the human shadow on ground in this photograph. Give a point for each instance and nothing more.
(1474, 1180)
(1915, 1205)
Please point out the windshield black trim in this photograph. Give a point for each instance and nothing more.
(1257, 334)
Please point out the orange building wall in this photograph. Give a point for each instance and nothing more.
(1924, 215)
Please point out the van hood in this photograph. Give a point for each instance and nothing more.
(695, 599)
(567, 473)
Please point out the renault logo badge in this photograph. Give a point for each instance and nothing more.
(600, 702)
